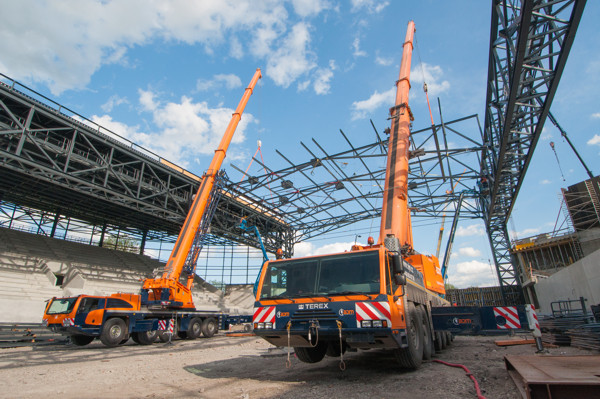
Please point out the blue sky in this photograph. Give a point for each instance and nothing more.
(167, 75)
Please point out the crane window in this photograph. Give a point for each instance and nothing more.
(112, 303)
(355, 272)
(88, 304)
(62, 305)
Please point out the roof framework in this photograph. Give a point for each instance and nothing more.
(329, 190)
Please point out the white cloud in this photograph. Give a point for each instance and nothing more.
(594, 140)
(183, 129)
(293, 58)
(323, 76)
(473, 273)
(596, 115)
(432, 75)
(303, 85)
(371, 6)
(306, 8)
(357, 52)
(94, 33)
(229, 81)
(147, 100)
(361, 109)
(469, 252)
(113, 101)
(471, 230)
(383, 61)
(235, 48)
(309, 249)
(545, 181)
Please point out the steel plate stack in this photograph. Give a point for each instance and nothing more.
(586, 336)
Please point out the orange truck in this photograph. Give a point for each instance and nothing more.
(374, 296)
(164, 300)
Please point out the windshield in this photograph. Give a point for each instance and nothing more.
(354, 272)
(61, 305)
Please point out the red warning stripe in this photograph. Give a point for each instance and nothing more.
(510, 315)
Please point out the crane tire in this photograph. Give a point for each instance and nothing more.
(195, 328)
(313, 354)
(145, 337)
(209, 327)
(428, 349)
(438, 342)
(411, 357)
(114, 332)
(81, 340)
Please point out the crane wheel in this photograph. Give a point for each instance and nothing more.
(334, 350)
(81, 340)
(411, 357)
(163, 336)
(114, 332)
(428, 349)
(444, 340)
(145, 337)
(209, 327)
(312, 354)
(438, 342)
(449, 338)
(194, 329)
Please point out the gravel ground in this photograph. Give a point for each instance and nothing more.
(248, 367)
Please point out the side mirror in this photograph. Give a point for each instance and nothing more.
(400, 279)
(397, 266)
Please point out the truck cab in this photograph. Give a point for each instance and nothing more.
(82, 317)
(326, 304)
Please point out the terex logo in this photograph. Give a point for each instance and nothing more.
(313, 306)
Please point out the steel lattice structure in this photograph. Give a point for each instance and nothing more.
(333, 190)
(530, 41)
(72, 167)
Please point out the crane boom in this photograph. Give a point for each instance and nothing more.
(395, 215)
(167, 288)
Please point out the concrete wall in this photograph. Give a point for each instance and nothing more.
(239, 299)
(581, 279)
(30, 264)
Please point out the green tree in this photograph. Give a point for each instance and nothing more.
(124, 243)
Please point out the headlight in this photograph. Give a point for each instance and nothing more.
(268, 325)
(365, 323)
(260, 325)
(377, 323)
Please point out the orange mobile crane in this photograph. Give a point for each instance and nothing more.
(374, 296)
(163, 299)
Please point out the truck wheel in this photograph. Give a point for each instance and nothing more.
(209, 327)
(428, 349)
(114, 332)
(444, 339)
(333, 349)
(438, 342)
(448, 338)
(145, 337)
(312, 354)
(195, 328)
(163, 336)
(411, 357)
(81, 340)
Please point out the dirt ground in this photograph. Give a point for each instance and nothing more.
(248, 367)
